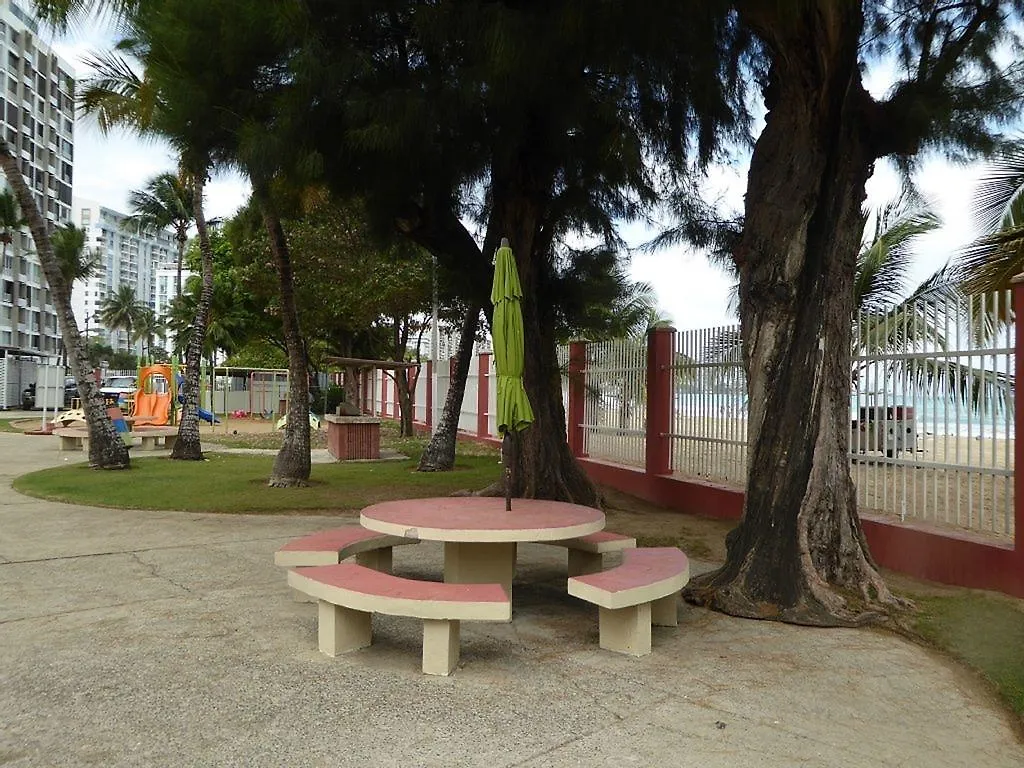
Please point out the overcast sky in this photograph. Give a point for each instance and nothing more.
(691, 291)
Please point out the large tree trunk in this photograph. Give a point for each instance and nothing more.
(439, 455)
(292, 464)
(188, 445)
(547, 468)
(798, 553)
(106, 448)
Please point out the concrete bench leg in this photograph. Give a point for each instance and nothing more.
(582, 563)
(342, 629)
(378, 559)
(664, 611)
(440, 646)
(70, 443)
(149, 444)
(626, 630)
(480, 563)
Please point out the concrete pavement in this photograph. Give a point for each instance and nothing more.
(134, 638)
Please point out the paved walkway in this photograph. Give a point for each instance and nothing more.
(134, 638)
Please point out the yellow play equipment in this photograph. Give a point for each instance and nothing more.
(155, 396)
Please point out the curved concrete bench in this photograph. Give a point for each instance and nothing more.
(349, 594)
(641, 591)
(156, 437)
(330, 547)
(586, 553)
(73, 438)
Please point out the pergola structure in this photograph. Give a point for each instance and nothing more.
(363, 364)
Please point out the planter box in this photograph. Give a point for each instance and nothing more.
(353, 437)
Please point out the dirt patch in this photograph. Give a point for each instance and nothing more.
(701, 538)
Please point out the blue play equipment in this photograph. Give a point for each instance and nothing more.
(204, 414)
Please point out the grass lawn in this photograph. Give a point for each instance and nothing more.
(986, 631)
(238, 483)
(7, 425)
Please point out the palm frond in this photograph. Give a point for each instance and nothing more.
(999, 190)
(991, 262)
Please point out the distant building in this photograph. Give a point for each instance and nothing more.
(167, 291)
(128, 256)
(37, 118)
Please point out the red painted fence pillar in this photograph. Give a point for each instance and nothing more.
(482, 393)
(577, 396)
(660, 342)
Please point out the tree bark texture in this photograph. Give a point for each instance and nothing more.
(439, 455)
(546, 468)
(292, 463)
(798, 553)
(106, 448)
(188, 446)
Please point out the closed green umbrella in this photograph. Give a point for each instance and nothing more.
(514, 411)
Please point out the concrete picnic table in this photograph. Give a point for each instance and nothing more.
(479, 536)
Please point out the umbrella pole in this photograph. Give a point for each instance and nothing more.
(507, 455)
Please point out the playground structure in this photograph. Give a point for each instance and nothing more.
(155, 398)
(250, 393)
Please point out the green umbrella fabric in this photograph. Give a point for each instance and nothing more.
(514, 411)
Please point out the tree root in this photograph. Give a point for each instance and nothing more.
(287, 482)
(835, 610)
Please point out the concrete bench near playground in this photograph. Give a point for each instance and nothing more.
(73, 438)
(642, 591)
(154, 438)
(349, 594)
(586, 553)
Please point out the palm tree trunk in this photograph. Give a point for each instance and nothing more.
(439, 455)
(106, 448)
(188, 445)
(292, 465)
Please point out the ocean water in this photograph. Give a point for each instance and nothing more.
(931, 414)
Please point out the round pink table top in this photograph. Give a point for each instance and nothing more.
(480, 519)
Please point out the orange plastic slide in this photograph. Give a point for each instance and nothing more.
(153, 397)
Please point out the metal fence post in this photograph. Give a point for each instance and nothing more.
(660, 342)
(1018, 423)
(577, 396)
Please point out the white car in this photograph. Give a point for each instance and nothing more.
(122, 386)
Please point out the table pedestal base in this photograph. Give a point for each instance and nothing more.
(480, 563)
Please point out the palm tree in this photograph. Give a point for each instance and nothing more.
(147, 327)
(167, 200)
(11, 221)
(122, 311)
(161, 103)
(69, 248)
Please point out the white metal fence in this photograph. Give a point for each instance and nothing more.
(931, 409)
(615, 412)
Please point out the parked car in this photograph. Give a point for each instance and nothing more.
(28, 397)
(123, 387)
(70, 391)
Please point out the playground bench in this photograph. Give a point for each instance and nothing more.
(73, 438)
(641, 591)
(349, 594)
(586, 553)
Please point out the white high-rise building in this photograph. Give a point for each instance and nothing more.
(37, 116)
(128, 255)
